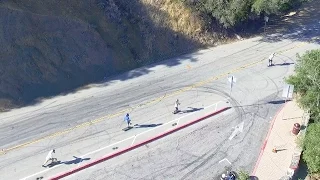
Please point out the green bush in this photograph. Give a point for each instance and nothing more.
(243, 175)
(306, 81)
(311, 153)
(230, 13)
(300, 141)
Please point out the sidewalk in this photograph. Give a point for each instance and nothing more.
(283, 163)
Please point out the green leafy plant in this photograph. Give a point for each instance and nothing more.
(243, 175)
(311, 153)
(230, 13)
(306, 81)
(300, 141)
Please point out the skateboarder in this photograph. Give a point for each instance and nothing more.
(270, 59)
(176, 105)
(127, 119)
(49, 157)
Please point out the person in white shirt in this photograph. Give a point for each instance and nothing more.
(49, 157)
(270, 59)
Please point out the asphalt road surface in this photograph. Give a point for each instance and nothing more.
(82, 125)
(205, 150)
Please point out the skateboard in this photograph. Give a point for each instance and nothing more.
(52, 163)
(127, 128)
(130, 127)
(175, 112)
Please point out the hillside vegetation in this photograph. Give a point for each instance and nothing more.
(52, 47)
(306, 81)
(230, 13)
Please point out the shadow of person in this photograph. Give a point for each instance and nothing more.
(191, 109)
(283, 64)
(76, 160)
(277, 102)
(146, 125)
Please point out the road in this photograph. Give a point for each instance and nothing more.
(82, 125)
(205, 150)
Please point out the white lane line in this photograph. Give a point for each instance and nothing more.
(95, 151)
(40, 172)
(133, 140)
(134, 136)
(225, 159)
(92, 152)
(191, 113)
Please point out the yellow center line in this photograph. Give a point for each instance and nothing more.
(88, 123)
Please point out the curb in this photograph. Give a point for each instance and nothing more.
(266, 140)
(70, 172)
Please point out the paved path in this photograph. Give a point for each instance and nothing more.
(271, 165)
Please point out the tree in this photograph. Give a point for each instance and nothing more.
(227, 12)
(273, 6)
(306, 81)
(230, 13)
(307, 87)
(311, 153)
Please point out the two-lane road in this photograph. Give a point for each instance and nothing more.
(90, 119)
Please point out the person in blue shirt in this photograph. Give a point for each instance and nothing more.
(127, 119)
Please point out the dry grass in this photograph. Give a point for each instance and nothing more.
(56, 43)
(60, 42)
(180, 18)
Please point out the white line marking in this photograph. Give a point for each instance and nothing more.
(133, 140)
(189, 114)
(143, 132)
(225, 159)
(25, 178)
(92, 152)
(238, 128)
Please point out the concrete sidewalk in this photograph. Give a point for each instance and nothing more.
(284, 162)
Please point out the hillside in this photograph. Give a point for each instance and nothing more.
(53, 47)
(49, 47)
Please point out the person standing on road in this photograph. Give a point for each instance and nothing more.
(127, 119)
(270, 59)
(176, 105)
(49, 157)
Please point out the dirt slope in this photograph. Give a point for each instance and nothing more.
(51, 47)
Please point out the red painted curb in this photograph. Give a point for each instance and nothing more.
(266, 140)
(135, 146)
